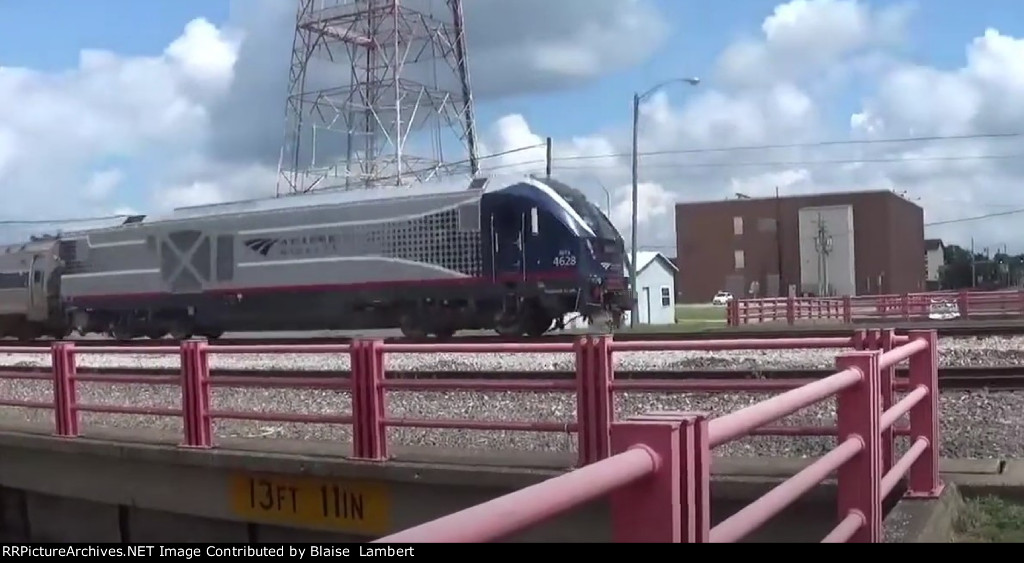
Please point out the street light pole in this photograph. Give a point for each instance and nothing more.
(633, 290)
(637, 98)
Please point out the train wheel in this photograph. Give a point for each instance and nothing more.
(27, 332)
(537, 324)
(122, 332)
(181, 330)
(212, 333)
(155, 334)
(60, 333)
(444, 334)
(509, 327)
(410, 328)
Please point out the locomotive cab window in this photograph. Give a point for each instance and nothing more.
(534, 221)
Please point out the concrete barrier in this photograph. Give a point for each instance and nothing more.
(102, 487)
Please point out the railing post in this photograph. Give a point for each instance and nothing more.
(963, 304)
(924, 481)
(695, 472)
(195, 394)
(732, 310)
(65, 389)
(584, 358)
(790, 309)
(858, 339)
(649, 510)
(594, 405)
(886, 388)
(369, 436)
(859, 413)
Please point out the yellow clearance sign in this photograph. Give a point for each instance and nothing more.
(348, 506)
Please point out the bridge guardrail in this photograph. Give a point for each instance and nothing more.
(658, 472)
(867, 417)
(964, 305)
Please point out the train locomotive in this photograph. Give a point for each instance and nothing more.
(513, 255)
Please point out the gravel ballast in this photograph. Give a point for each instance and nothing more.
(975, 424)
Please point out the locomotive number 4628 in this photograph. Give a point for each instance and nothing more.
(565, 260)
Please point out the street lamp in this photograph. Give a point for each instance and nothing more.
(637, 98)
(607, 197)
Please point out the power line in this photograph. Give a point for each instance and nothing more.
(674, 165)
(975, 218)
(814, 144)
(683, 165)
(740, 148)
(29, 222)
(854, 142)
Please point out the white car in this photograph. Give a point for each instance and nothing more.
(721, 298)
(943, 310)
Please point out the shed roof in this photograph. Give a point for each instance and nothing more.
(644, 258)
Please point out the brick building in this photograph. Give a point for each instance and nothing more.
(852, 243)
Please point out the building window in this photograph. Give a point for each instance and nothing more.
(738, 259)
(666, 296)
(737, 226)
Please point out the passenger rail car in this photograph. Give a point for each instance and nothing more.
(30, 291)
(512, 255)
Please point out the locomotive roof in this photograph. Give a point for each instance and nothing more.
(447, 186)
(317, 199)
(40, 245)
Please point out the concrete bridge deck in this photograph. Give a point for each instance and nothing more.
(140, 486)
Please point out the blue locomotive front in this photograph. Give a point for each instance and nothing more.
(555, 252)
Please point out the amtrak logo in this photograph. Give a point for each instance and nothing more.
(261, 245)
(606, 265)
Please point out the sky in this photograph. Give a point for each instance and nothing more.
(116, 106)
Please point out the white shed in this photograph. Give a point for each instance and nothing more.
(656, 289)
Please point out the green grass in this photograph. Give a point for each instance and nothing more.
(680, 326)
(990, 520)
(705, 313)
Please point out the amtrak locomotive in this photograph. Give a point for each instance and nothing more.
(513, 255)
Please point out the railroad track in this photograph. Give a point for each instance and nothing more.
(951, 378)
(961, 330)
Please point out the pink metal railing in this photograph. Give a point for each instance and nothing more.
(673, 505)
(594, 387)
(1006, 304)
(865, 386)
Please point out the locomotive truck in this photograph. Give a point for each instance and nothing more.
(514, 255)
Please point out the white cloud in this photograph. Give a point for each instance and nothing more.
(775, 101)
(198, 122)
(803, 37)
(102, 184)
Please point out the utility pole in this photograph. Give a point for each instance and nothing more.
(823, 247)
(547, 158)
(778, 245)
(637, 99)
(635, 164)
(974, 272)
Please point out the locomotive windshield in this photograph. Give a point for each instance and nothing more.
(593, 216)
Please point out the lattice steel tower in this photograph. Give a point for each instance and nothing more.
(379, 94)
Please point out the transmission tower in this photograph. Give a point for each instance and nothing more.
(823, 246)
(379, 94)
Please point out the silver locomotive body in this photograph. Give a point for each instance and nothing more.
(479, 254)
